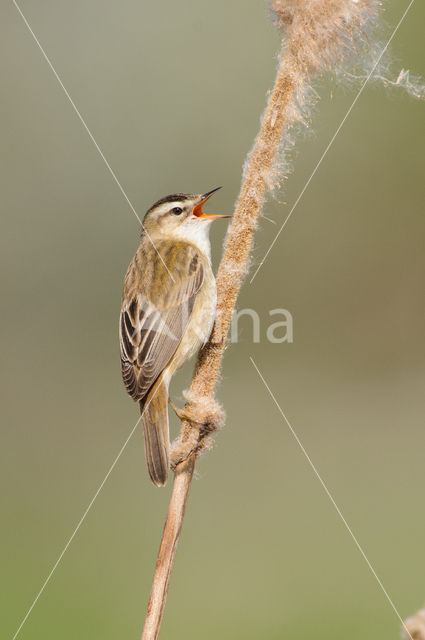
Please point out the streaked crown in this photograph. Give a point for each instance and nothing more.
(177, 210)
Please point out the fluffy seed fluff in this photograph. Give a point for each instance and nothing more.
(414, 627)
(336, 37)
(196, 432)
(318, 37)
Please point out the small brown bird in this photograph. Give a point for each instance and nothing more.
(167, 313)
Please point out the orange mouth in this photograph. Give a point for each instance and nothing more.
(197, 209)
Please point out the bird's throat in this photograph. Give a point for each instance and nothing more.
(196, 232)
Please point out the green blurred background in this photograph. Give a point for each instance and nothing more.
(173, 92)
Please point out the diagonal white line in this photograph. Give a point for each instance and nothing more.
(84, 515)
(89, 132)
(76, 529)
(77, 111)
(328, 493)
(331, 141)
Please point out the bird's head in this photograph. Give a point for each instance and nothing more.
(180, 215)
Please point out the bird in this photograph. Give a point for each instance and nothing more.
(167, 312)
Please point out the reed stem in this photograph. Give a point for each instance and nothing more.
(318, 36)
(232, 268)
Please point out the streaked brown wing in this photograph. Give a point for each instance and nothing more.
(154, 319)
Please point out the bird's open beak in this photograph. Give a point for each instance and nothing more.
(197, 209)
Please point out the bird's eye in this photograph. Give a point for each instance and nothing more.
(177, 211)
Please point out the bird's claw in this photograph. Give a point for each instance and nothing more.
(183, 414)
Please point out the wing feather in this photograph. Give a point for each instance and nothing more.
(155, 315)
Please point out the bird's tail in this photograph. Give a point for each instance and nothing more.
(154, 410)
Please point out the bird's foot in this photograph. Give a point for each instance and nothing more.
(183, 414)
(198, 424)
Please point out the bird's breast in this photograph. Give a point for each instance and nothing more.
(201, 321)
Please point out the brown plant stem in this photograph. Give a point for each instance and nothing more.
(236, 254)
(167, 549)
(233, 267)
(320, 35)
